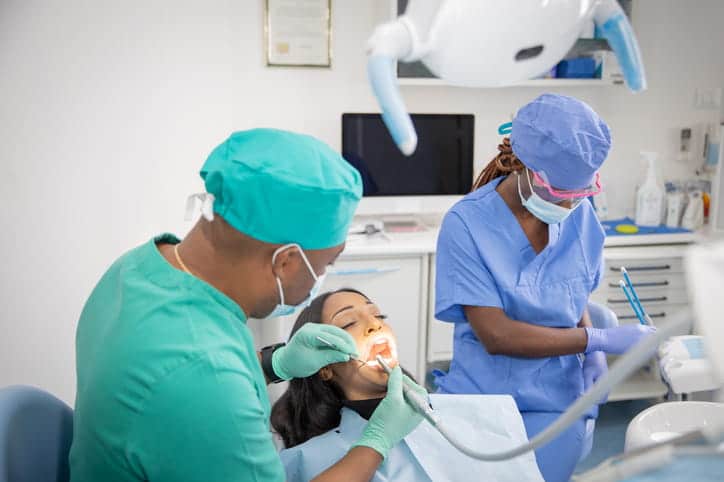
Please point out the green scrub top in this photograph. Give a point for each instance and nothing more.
(169, 383)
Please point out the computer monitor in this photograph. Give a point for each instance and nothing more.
(438, 173)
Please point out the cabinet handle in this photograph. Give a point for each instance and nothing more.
(660, 267)
(643, 285)
(653, 299)
(363, 271)
(634, 317)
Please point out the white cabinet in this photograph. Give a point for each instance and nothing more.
(439, 333)
(398, 285)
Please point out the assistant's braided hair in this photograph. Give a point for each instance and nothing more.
(504, 163)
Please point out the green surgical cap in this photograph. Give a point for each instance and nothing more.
(280, 187)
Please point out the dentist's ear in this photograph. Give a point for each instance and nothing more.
(326, 374)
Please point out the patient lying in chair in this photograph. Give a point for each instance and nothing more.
(319, 418)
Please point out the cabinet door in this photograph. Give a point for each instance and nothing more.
(439, 333)
(395, 285)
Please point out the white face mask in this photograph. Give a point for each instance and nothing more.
(283, 309)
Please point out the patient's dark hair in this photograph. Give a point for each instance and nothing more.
(310, 406)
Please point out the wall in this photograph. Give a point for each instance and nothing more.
(109, 108)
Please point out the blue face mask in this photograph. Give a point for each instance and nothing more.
(283, 309)
(547, 212)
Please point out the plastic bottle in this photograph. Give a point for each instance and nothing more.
(694, 215)
(650, 196)
(675, 202)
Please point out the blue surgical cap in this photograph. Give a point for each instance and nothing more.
(562, 137)
(280, 187)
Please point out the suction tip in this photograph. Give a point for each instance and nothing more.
(383, 364)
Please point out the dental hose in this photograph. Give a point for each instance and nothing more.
(625, 366)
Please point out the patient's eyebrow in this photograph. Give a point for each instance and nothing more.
(347, 308)
(341, 310)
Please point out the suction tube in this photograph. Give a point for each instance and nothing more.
(390, 42)
(615, 27)
(625, 366)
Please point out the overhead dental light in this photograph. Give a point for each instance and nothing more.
(489, 43)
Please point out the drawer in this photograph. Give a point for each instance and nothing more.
(643, 266)
(642, 281)
(646, 296)
(668, 287)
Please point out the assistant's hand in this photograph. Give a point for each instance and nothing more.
(305, 354)
(594, 367)
(394, 418)
(616, 340)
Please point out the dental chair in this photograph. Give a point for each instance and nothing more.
(36, 430)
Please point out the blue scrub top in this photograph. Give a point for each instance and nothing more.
(485, 259)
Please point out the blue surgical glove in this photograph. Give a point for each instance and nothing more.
(394, 418)
(305, 354)
(594, 367)
(616, 340)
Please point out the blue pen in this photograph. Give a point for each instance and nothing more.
(633, 291)
(631, 302)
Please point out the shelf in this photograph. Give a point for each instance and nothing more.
(434, 82)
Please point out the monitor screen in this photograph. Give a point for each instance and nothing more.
(442, 164)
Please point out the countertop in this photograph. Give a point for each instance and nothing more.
(424, 242)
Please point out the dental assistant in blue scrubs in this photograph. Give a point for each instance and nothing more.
(517, 260)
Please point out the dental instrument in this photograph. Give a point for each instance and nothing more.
(419, 403)
(629, 297)
(332, 345)
(641, 310)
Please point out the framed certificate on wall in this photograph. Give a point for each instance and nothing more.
(298, 33)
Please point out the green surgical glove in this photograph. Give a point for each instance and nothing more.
(305, 354)
(394, 418)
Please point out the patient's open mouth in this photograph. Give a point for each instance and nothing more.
(384, 347)
(381, 347)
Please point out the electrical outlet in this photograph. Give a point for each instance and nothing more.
(708, 98)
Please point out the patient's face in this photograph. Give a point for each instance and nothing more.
(364, 321)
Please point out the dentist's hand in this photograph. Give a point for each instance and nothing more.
(616, 340)
(394, 418)
(305, 353)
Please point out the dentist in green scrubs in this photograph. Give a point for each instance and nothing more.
(170, 386)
